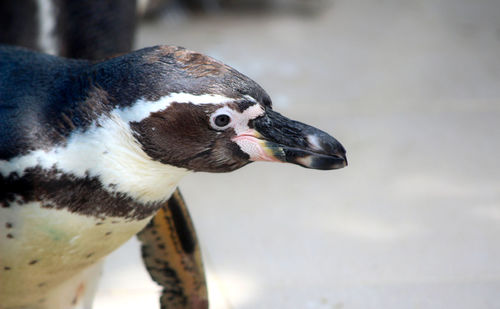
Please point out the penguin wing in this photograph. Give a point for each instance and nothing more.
(172, 256)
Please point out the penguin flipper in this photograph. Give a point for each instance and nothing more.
(172, 256)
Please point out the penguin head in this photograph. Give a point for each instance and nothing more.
(202, 115)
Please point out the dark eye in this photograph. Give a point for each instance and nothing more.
(222, 120)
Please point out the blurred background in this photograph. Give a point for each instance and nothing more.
(412, 90)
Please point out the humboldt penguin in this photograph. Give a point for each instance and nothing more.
(91, 151)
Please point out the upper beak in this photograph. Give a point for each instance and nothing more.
(277, 138)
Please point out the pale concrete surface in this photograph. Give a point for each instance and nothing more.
(412, 90)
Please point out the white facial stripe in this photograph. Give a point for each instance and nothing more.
(241, 120)
(250, 98)
(111, 153)
(143, 108)
(246, 137)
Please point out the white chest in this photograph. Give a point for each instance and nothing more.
(41, 249)
(110, 153)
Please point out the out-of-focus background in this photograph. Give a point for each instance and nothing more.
(412, 90)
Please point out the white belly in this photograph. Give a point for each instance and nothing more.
(44, 252)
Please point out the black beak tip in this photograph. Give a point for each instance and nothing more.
(329, 162)
(343, 159)
(334, 156)
(321, 161)
(329, 155)
(342, 154)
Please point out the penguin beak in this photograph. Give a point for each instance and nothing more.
(277, 138)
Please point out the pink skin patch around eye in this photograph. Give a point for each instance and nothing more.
(253, 146)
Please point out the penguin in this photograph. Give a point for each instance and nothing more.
(96, 30)
(91, 151)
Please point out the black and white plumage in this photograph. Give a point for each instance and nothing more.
(90, 151)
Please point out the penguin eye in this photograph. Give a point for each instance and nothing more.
(222, 120)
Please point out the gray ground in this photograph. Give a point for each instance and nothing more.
(412, 90)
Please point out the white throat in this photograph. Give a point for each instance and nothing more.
(123, 165)
(112, 154)
(108, 150)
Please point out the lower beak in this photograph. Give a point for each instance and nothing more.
(277, 138)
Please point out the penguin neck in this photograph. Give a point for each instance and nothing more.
(120, 163)
(109, 152)
(79, 129)
(112, 89)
